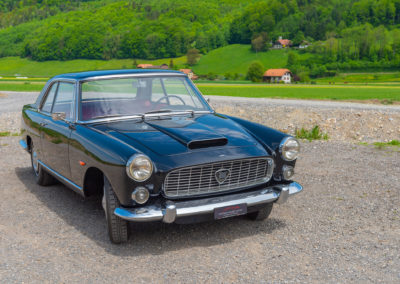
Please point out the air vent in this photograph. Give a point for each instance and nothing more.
(197, 144)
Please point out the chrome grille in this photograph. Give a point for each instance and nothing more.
(201, 179)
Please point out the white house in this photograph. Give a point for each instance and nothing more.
(277, 75)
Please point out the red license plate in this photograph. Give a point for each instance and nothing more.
(230, 211)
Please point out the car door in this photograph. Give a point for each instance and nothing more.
(56, 129)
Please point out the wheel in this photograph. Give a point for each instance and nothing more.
(117, 227)
(41, 176)
(261, 214)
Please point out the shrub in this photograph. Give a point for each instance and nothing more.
(255, 72)
(313, 134)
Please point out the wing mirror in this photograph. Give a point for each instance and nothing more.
(58, 116)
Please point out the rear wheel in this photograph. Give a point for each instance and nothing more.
(41, 176)
(118, 230)
(261, 214)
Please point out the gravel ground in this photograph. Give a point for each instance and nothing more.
(344, 227)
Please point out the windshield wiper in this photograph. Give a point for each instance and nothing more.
(158, 111)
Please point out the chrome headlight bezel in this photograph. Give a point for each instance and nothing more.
(133, 161)
(284, 151)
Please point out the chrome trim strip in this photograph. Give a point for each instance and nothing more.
(23, 144)
(74, 185)
(133, 75)
(174, 210)
(141, 116)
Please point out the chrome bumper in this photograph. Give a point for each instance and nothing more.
(174, 210)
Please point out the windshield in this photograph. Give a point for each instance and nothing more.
(137, 96)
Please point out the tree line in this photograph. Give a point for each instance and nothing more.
(344, 33)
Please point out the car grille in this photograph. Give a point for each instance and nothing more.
(202, 179)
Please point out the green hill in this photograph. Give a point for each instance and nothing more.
(236, 58)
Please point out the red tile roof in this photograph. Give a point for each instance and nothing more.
(186, 71)
(276, 72)
(284, 42)
(143, 65)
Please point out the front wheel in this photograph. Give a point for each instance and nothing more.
(118, 230)
(261, 214)
(41, 176)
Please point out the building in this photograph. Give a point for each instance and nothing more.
(190, 73)
(304, 44)
(278, 75)
(282, 43)
(144, 66)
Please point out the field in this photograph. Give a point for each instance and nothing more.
(236, 58)
(362, 78)
(15, 66)
(384, 93)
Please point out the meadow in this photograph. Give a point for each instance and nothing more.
(387, 94)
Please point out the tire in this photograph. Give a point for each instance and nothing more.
(41, 176)
(118, 230)
(262, 214)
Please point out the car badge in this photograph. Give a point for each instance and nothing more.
(222, 175)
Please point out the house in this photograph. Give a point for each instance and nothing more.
(304, 44)
(190, 74)
(144, 66)
(277, 75)
(282, 43)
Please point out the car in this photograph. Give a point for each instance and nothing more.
(152, 148)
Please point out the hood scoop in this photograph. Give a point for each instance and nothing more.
(197, 144)
(193, 135)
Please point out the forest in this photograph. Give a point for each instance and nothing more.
(344, 34)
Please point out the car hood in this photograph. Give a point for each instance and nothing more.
(180, 134)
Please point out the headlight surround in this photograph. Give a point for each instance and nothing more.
(139, 167)
(289, 149)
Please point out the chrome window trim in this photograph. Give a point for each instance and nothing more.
(124, 76)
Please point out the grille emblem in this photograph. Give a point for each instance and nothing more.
(222, 175)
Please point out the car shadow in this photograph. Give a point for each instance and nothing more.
(87, 216)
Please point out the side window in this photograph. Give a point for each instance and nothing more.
(64, 100)
(48, 103)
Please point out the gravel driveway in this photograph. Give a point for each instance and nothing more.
(344, 227)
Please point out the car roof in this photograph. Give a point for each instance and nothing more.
(91, 74)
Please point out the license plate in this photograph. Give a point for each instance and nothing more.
(230, 211)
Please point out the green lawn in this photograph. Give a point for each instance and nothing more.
(360, 78)
(10, 66)
(329, 92)
(304, 91)
(236, 58)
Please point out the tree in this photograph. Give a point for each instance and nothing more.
(192, 56)
(171, 64)
(259, 42)
(292, 59)
(134, 63)
(255, 72)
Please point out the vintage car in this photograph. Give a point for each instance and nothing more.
(150, 144)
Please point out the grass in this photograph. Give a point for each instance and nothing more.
(304, 91)
(313, 134)
(236, 58)
(382, 145)
(363, 78)
(8, 133)
(10, 66)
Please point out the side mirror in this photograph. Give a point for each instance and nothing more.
(208, 100)
(58, 116)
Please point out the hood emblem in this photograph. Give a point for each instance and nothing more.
(222, 175)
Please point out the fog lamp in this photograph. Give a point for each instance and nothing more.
(287, 172)
(140, 195)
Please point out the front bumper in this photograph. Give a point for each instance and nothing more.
(178, 209)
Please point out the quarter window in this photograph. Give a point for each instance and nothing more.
(64, 100)
(48, 103)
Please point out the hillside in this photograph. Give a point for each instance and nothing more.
(236, 58)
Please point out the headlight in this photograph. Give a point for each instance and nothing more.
(289, 149)
(139, 167)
